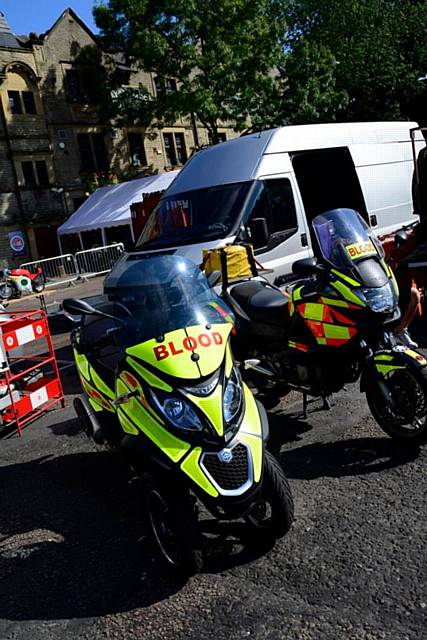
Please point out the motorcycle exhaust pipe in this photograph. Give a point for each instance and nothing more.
(87, 417)
(255, 365)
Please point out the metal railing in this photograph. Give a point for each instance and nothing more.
(68, 268)
(93, 262)
(56, 270)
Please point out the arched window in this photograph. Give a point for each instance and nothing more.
(20, 92)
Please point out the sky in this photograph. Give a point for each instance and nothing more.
(24, 16)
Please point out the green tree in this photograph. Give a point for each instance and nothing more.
(379, 47)
(309, 93)
(223, 55)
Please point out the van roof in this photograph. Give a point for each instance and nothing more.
(238, 160)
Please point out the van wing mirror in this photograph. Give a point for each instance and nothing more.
(400, 237)
(259, 232)
(305, 267)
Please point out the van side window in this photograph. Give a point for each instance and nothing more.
(273, 201)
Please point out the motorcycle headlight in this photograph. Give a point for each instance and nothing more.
(379, 299)
(232, 397)
(179, 412)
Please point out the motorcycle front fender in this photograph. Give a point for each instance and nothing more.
(383, 362)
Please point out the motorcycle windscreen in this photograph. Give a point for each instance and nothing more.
(344, 238)
(173, 319)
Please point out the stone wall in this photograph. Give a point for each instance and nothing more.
(51, 134)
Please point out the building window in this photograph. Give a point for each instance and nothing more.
(170, 85)
(29, 175)
(35, 174)
(100, 151)
(164, 86)
(222, 137)
(87, 162)
(62, 134)
(169, 149)
(22, 102)
(15, 105)
(29, 103)
(158, 86)
(175, 150)
(136, 148)
(42, 174)
(73, 85)
(180, 148)
(93, 154)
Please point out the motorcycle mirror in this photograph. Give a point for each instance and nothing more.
(305, 267)
(213, 278)
(400, 238)
(77, 307)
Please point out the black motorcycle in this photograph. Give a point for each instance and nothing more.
(333, 326)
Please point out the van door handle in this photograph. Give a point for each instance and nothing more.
(304, 242)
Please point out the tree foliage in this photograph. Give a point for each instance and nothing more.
(261, 63)
(379, 48)
(222, 54)
(309, 93)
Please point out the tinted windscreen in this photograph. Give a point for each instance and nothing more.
(345, 239)
(157, 294)
(195, 216)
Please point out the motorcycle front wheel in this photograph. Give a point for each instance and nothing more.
(173, 521)
(273, 515)
(404, 418)
(38, 284)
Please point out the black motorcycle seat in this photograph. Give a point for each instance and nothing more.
(261, 302)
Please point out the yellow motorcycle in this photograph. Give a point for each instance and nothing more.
(160, 385)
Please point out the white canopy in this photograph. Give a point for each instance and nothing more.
(110, 206)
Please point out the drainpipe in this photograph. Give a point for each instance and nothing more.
(195, 132)
(14, 173)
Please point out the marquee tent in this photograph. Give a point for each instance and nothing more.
(110, 206)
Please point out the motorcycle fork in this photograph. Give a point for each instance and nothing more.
(368, 356)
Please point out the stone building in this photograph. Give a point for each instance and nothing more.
(50, 138)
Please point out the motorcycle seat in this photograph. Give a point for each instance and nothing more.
(261, 302)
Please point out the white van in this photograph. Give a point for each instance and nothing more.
(267, 187)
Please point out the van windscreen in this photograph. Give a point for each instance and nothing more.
(195, 216)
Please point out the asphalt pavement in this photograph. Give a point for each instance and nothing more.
(75, 561)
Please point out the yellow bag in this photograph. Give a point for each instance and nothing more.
(233, 261)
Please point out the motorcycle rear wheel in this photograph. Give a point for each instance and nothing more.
(6, 292)
(173, 522)
(272, 517)
(407, 422)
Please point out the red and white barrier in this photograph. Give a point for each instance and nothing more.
(33, 382)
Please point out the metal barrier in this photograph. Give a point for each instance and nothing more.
(93, 262)
(57, 270)
(84, 264)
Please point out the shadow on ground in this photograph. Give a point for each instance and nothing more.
(358, 456)
(73, 543)
(70, 543)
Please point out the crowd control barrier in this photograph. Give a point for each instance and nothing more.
(94, 262)
(68, 268)
(29, 383)
(56, 270)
